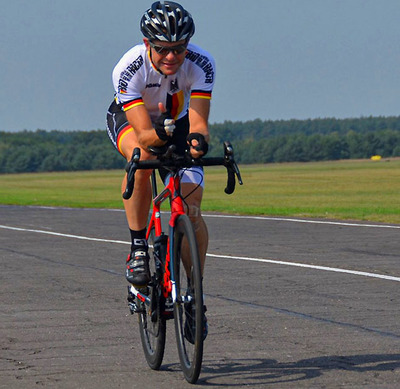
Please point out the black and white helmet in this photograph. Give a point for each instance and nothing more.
(167, 21)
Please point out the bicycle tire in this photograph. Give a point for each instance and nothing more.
(189, 298)
(152, 326)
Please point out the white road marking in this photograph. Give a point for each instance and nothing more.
(337, 223)
(64, 235)
(271, 261)
(304, 265)
(277, 218)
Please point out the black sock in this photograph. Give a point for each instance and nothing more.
(138, 239)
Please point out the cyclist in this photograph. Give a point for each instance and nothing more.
(162, 96)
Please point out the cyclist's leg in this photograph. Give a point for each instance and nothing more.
(194, 193)
(137, 210)
(125, 140)
(137, 207)
(193, 202)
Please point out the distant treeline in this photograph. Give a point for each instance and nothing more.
(311, 140)
(254, 141)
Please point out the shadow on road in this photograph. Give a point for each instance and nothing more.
(268, 371)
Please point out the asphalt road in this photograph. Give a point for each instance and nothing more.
(291, 304)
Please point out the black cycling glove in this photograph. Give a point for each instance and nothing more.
(202, 146)
(164, 125)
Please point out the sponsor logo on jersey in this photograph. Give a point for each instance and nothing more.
(128, 73)
(154, 85)
(204, 63)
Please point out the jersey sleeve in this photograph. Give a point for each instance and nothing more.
(128, 80)
(203, 68)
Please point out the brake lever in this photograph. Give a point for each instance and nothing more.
(170, 151)
(231, 161)
(232, 168)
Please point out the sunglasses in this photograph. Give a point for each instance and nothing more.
(164, 50)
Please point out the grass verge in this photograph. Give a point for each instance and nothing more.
(347, 190)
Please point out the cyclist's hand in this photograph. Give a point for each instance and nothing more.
(164, 125)
(198, 144)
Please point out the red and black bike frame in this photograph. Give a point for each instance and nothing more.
(172, 192)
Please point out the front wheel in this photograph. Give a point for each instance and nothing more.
(152, 325)
(188, 308)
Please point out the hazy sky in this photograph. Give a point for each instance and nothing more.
(276, 59)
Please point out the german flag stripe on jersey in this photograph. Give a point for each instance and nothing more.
(178, 100)
(133, 103)
(200, 94)
(121, 135)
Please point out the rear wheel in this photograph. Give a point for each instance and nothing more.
(152, 325)
(188, 308)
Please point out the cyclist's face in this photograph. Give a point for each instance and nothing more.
(167, 61)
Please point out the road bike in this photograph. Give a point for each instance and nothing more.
(175, 290)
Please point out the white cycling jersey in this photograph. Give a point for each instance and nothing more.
(137, 81)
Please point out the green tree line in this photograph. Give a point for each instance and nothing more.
(254, 141)
(42, 151)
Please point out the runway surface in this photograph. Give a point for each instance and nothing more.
(291, 304)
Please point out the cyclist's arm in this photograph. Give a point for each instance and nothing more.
(198, 118)
(139, 118)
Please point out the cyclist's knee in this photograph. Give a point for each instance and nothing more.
(128, 143)
(142, 177)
